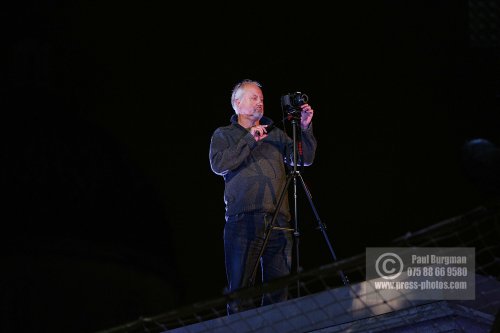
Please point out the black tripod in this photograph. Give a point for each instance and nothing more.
(294, 175)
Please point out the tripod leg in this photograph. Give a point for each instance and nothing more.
(296, 233)
(322, 228)
(269, 228)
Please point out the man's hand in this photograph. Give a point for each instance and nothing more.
(306, 115)
(259, 132)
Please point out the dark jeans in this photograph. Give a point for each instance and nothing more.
(244, 236)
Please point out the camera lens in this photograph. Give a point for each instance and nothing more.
(299, 99)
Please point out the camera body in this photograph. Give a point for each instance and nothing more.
(292, 102)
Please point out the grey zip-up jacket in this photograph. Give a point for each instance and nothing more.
(254, 171)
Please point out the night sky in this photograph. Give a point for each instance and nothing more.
(111, 210)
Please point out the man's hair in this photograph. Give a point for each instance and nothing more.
(238, 90)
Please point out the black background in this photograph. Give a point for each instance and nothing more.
(110, 209)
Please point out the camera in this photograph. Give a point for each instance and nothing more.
(293, 101)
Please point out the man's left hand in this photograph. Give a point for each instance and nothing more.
(306, 116)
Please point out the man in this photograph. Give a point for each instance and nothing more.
(252, 161)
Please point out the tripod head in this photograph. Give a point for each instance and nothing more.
(292, 115)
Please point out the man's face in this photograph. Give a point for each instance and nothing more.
(251, 103)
